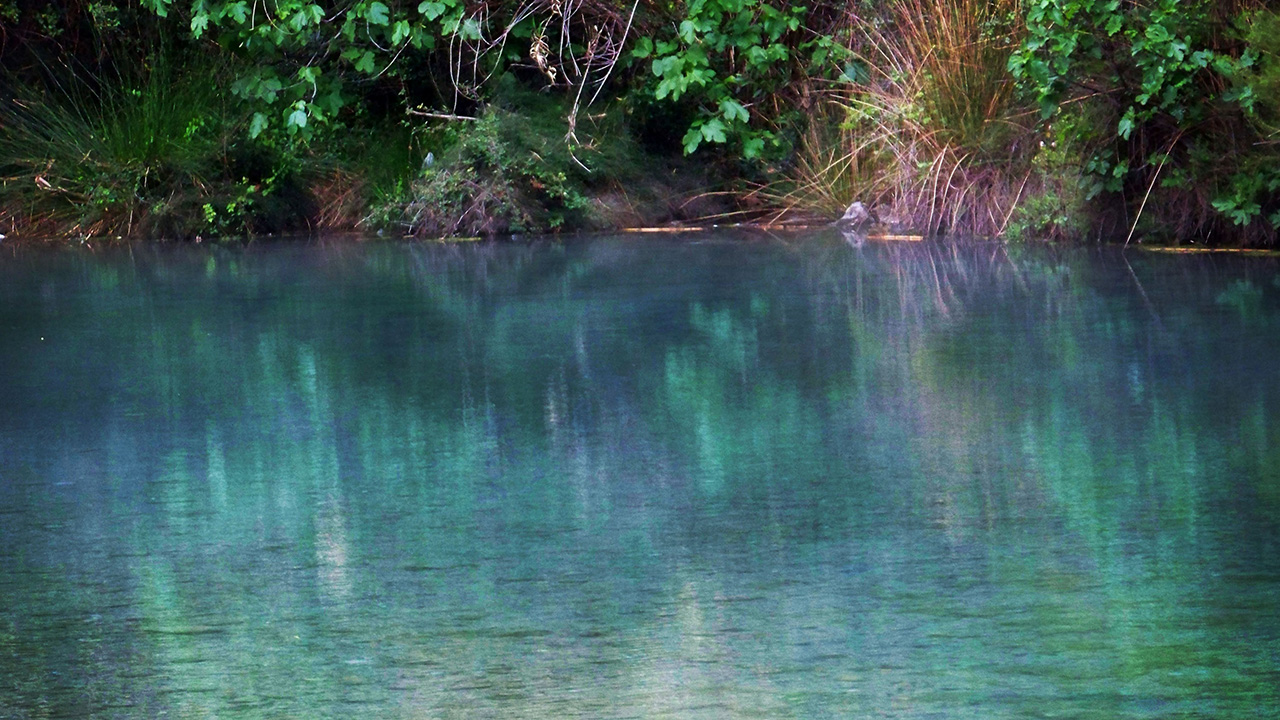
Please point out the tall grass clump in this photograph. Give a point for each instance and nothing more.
(145, 151)
(926, 126)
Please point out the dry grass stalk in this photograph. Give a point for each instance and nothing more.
(930, 137)
(340, 201)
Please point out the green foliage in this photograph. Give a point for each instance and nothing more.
(1257, 77)
(1165, 111)
(297, 68)
(1053, 206)
(732, 60)
(149, 154)
(308, 60)
(1246, 193)
(303, 56)
(1171, 87)
(1054, 202)
(509, 171)
(1150, 52)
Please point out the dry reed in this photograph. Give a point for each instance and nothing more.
(931, 136)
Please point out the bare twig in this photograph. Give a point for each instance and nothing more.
(1151, 187)
(439, 116)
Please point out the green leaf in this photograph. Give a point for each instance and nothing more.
(377, 13)
(298, 21)
(431, 10)
(692, 139)
(688, 32)
(399, 32)
(449, 23)
(297, 118)
(269, 88)
(1125, 128)
(1241, 211)
(470, 29)
(365, 64)
(199, 22)
(673, 86)
(752, 147)
(237, 11)
(332, 101)
(857, 71)
(257, 125)
(670, 65)
(159, 7)
(733, 111)
(700, 76)
(713, 131)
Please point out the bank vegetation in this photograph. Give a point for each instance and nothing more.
(1149, 121)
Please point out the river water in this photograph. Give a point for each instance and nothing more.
(713, 476)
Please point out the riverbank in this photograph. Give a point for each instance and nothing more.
(76, 173)
(1152, 123)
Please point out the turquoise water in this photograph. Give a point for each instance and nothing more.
(707, 477)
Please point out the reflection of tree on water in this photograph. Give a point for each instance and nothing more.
(433, 461)
(1061, 309)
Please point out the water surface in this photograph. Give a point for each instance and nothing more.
(705, 477)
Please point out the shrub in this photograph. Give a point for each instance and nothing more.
(513, 169)
(1172, 87)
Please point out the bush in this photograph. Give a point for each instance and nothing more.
(513, 169)
(1172, 87)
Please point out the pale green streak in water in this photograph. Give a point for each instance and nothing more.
(627, 478)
